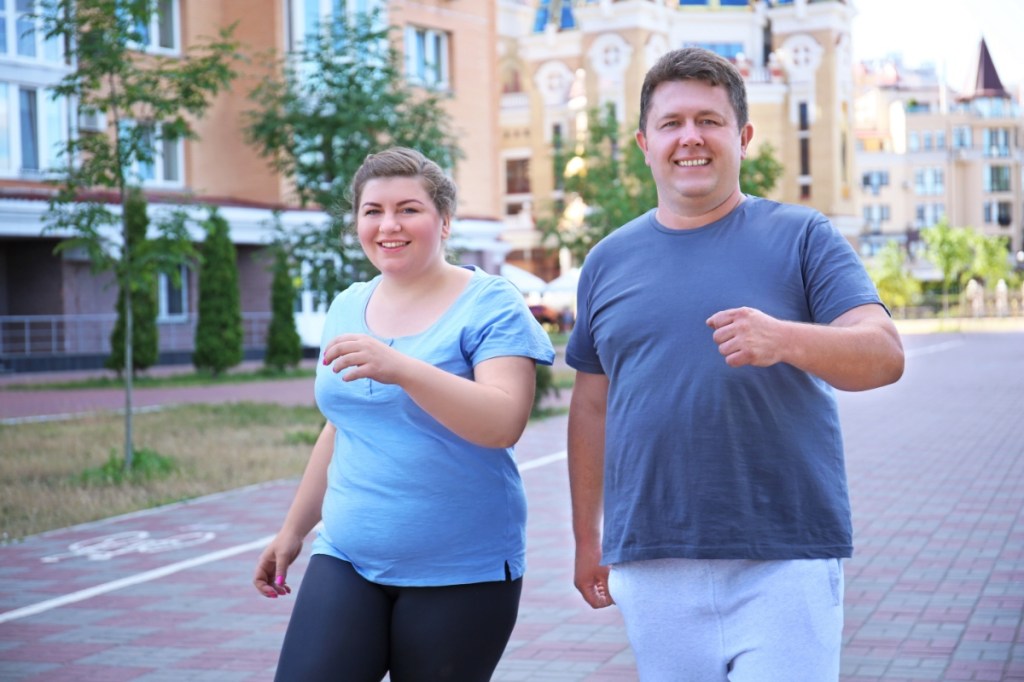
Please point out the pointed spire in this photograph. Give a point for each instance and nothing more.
(986, 82)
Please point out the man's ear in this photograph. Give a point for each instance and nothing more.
(746, 135)
(641, 141)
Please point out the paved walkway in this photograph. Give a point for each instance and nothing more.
(934, 592)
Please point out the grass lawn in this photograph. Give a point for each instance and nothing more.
(51, 473)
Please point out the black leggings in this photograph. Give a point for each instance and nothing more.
(346, 628)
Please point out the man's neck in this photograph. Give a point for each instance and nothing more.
(679, 220)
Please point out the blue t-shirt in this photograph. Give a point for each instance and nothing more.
(408, 502)
(703, 460)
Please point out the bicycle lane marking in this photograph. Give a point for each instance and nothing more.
(187, 564)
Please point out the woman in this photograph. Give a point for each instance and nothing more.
(427, 381)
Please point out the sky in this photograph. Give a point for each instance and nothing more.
(944, 32)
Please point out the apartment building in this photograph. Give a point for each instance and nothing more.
(559, 59)
(55, 312)
(927, 152)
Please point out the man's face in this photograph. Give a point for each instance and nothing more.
(693, 146)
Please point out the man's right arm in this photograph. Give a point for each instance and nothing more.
(586, 484)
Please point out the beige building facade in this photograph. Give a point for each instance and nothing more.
(559, 60)
(927, 153)
(55, 307)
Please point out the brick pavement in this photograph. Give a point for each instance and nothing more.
(935, 590)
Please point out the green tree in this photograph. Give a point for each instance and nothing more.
(219, 329)
(145, 346)
(760, 173)
(991, 258)
(284, 347)
(889, 272)
(145, 100)
(949, 249)
(319, 113)
(607, 183)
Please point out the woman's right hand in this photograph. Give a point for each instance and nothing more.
(271, 574)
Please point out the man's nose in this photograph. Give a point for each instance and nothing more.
(689, 134)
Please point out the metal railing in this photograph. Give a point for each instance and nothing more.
(26, 335)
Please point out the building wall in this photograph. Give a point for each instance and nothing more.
(259, 28)
(605, 56)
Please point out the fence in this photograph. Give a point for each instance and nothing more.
(56, 335)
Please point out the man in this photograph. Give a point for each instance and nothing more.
(710, 333)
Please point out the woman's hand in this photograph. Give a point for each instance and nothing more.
(271, 574)
(365, 357)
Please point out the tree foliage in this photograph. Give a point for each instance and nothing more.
(760, 173)
(145, 339)
(145, 99)
(607, 183)
(219, 328)
(896, 286)
(284, 347)
(318, 115)
(949, 249)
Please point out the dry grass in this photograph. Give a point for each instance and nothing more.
(214, 448)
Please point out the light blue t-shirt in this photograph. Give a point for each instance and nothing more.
(703, 460)
(408, 502)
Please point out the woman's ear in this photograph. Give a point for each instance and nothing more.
(446, 228)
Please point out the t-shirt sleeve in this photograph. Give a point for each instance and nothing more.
(835, 278)
(503, 326)
(580, 352)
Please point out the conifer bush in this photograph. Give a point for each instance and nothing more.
(284, 347)
(219, 329)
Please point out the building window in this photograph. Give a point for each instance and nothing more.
(996, 178)
(940, 139)
(165, 157)
(728, 50)
(997, 212)
(913, 142)
(875, 180)
(875, 215)
(962, 137)
(307, 17)
(20, 34)
(160, 33)
(517, 176)
(996, 142)
(929, 181)
(926, 215)
(31, 130)
(426, 57)
(173, 296)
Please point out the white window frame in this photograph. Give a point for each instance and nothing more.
(299, 12)
(14, 37)
(153, 31)
(165, 289)
(51, 130)
(421, 41)
(159, 179)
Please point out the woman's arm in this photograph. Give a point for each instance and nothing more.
(489, 410)
(304, 513)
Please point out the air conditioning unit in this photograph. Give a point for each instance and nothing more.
(92, 121)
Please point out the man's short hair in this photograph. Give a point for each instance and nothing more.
(695, 63)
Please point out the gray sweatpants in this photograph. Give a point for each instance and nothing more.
(743, 621)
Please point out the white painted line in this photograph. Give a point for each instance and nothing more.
(156, 573)
(542, 461)
(88, 593)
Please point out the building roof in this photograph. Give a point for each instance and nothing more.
(986, 81)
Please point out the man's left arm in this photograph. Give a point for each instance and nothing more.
(857, 351)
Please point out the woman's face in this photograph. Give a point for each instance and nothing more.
(400, 229)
